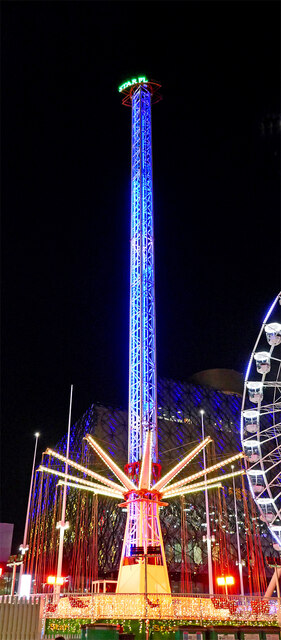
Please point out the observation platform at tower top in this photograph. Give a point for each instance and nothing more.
(129, 87)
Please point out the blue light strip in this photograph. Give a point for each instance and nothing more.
(142, 349)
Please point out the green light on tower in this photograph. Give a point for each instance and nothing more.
(130, 83)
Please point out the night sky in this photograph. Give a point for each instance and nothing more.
(66, 202)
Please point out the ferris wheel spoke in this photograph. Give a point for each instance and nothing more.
(268, 409)
(275, 434)
(271, 453)
(278, 516)
(272, 483)
(269, 384)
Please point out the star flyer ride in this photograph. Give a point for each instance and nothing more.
(140, 489)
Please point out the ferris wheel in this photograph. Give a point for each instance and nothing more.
(261, 421)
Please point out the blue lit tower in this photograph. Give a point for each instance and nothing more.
(142, 371)
(139, 94)
(143, 527)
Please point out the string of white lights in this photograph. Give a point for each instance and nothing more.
(83, 469)
(86, 483)
(203, 472)
(183, 490)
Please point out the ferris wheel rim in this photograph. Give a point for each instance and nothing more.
(265, 495)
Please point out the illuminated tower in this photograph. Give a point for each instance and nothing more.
(143, 527)
(142, 348)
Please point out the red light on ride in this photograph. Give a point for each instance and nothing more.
(227, 580)
(55, 580)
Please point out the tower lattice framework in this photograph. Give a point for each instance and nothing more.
(142, 348)
(143, 528)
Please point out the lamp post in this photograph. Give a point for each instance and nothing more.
(208, 532)
(238, 538)
(62, 525)
(24, 546)
(14, 561)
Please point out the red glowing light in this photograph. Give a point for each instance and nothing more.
(222, 581)
(55, 580)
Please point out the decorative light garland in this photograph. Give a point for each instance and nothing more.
(219, 609)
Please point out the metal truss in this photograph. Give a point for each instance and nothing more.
(142, 348)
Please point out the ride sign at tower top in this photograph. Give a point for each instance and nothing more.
(130, 83)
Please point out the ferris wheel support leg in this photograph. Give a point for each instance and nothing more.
(274, 582)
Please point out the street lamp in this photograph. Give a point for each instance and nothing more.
(62, 525)
(14, 561)
(240, 564)
(24, 546)
(208, 531)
